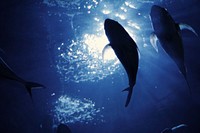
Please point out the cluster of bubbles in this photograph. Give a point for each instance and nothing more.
(71, 110)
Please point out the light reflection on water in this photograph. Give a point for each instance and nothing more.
(80, 59)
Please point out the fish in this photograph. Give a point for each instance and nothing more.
(174, 129)
(7, 73)
(62, 128)
(126, 51)
(167, 31)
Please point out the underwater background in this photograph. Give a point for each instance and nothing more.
(59, 43)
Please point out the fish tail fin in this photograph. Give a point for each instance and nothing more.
(31, 85)
(129, 95)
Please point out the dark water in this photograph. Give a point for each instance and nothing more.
(58, 43)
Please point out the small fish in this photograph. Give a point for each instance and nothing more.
(125, 49)
(167, 31)
(7, 73)
(171, 130)
(62, 128)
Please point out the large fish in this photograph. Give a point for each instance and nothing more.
(167, 31)
(7, 73)
(125, 49)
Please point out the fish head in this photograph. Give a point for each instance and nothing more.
(161, 19)
(109, 24)
(158, 11)
(112, 29)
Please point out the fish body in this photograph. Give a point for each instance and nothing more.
(126, 51)
(167, 31)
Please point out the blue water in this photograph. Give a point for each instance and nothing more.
(58, 43)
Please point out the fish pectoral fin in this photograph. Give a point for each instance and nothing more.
(153, 40)
(183, 26)
(139, 55)
(106, 49)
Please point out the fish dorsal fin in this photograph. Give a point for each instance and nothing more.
(153, 40)
(183, 26)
